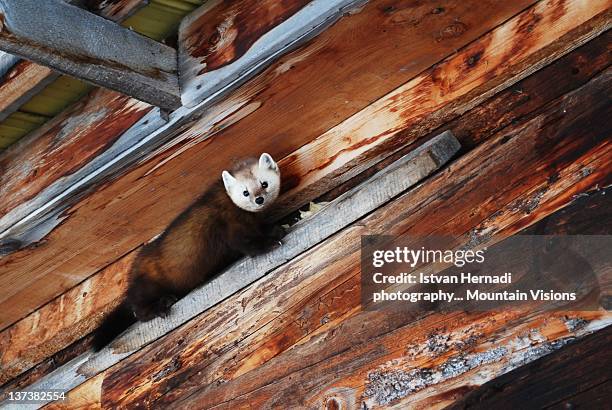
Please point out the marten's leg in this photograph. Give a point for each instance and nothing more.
(256, 240)
(149, 299)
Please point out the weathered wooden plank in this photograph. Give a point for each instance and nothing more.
(232, 347)
(22, 82)
(136, 198)
(346, 209)
(53, 327)
(25, 79)
(550, 381)
(471, 128)
(61, 152)
(449, 89)
(76, 42)
(305, 372)
(225, 42)
(6, 62)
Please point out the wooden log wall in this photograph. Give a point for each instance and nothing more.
(378, 122)
(250, 118)
(472, 128)
(551, 381)
(86, 313)
(230, 41)
(137, 195)
(298, 338)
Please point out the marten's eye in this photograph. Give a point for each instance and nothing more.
(245, 193)
(264, 184)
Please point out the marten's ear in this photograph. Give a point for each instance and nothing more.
(266, 162)
(228, 180)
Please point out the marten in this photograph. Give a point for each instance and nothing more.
(226, 222)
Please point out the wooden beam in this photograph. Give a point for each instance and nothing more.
(565, 379)
(76, 42)
(25, 79)
(46, 163)
(39, 335)
(346, 209)
(6, 62)
(225, 43)
(251, 114)
(299, 335)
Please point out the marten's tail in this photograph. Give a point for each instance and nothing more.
(113, 325)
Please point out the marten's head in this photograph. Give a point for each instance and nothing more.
(252, 184)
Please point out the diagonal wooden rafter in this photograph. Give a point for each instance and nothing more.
(76, 42)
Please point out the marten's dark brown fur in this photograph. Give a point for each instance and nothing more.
(205, 238)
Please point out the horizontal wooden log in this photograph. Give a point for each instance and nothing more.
(449, 89)
(25, 79)
(346, 209)
(78, 43)
(472, 128)
(281, 339)
(555, 380)
(225, 42)
(139, 198)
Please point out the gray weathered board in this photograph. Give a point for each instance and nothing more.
(7, 61)
(76, 42)
(306, 23)
(338, 214)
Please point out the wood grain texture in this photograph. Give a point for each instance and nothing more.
(379, 189)
(559, 379)
(224, 42)
(447, 90)
(302, 372)
(298, 336)
(26, 79)
(63, 146)
(62, 321)
(22, 82)
(75, 42)
(472, 128)
(134, 206)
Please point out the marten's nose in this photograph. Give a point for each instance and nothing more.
(259, 200)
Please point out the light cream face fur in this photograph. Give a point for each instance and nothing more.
(254, 187)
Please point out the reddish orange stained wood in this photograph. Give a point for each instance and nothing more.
(515, 185)
(220, 32)
(138, 205)
(65, 144)
(242, 341)
(62, 321)
(472, 128)
(20, 83)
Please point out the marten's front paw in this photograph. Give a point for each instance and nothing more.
(277, 233)
(163, 305)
